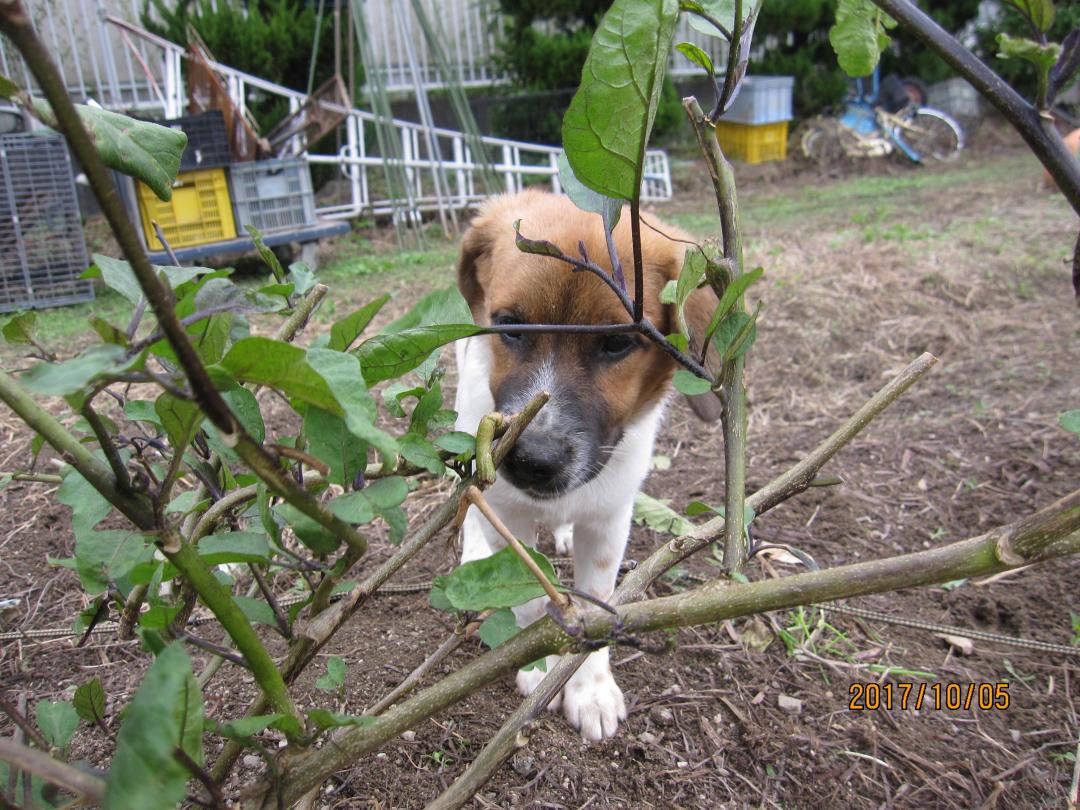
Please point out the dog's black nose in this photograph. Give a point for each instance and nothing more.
(536, 463)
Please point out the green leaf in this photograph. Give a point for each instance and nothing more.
(1042, 57)
(256, 610)
(437, 307)
(500, 626)
(334, 678)
(858, 37)
(165, 714)
(419, 451)
(234, 547)
(342, 375)
(353, 507)
(323, 719)
(386, 356)
(71, 377)
(20, 328)
(119, 276)
(606, 129)
(108, 556)
(1040, 12)
(241, 401)
(744, 337)
(386, 493)
(180, 419)
(266, 254)
(345, 332)
(437, 597)
(57, 721)
(690, 384)
(457, 442)
(282, 366)
(301, 277)
(658, 516)
(690, 277)
(731, 295)
(89, 701)
(330, 441)
(109, 332)
(308, 532)
(697, 56)
(141, 410)
(585, 198)
(147, 151)
(501, 580)
(244, 727)
(723, 11)
(1070, 420)
(8, 88)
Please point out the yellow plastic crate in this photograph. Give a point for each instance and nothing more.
(753, 143)
(200, 210)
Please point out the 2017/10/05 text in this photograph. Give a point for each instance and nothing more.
(936, 696)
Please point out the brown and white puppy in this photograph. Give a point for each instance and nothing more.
(577, 468)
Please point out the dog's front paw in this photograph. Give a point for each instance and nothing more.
(529, 679)
(594, 704)
(564, 539)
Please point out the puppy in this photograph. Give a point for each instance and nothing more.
(577, 468)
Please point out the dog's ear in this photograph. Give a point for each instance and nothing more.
(699, 311)
(473, 266)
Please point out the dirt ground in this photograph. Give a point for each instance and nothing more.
(863, 273)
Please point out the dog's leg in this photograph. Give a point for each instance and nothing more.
(592, 701)
(564, 539)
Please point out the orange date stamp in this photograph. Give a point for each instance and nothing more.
(871, 697)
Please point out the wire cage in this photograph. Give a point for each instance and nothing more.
(42, 248)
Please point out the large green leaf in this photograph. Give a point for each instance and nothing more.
(282, 366)
(606, 129)
(437, 307)
(165, 714)
(20, 328)
(308, 531)
(859, 37)
(180, 418)
(500, 626)
(57, 721)
(343, 376)
(390, 355)
(344, 332)
(501, 580)
(585, 198)
(658, 516)
(1040, 12)
(331, 441)
(71, 377)
(234, 547)
(147, 151)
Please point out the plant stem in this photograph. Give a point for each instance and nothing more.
(639, 268)
(235, 623)
(476, 498)
(123, 480)
(1051, 533)
(136, 506)
(733, 387)
(53, 771)
(1036, 130)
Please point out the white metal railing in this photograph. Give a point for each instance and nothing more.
(96, 62)
(517, 164)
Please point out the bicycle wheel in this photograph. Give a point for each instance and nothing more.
(931, 133)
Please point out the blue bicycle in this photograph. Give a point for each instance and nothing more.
(882, 117)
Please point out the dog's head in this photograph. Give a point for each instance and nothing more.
(599, 384)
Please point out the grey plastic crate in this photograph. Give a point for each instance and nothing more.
(272, 194)
(956, 97)
(42, 249)
(762, 100)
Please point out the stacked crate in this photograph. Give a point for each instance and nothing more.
(755, 127)
(200, 210)
(272, 195)
(42, 251)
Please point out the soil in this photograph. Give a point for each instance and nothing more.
(732, 716)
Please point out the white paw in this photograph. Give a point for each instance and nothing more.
(528, 680)
(594, 704)
(564, 539)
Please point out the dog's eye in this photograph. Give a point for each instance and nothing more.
(616, 347)
(508, 320)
